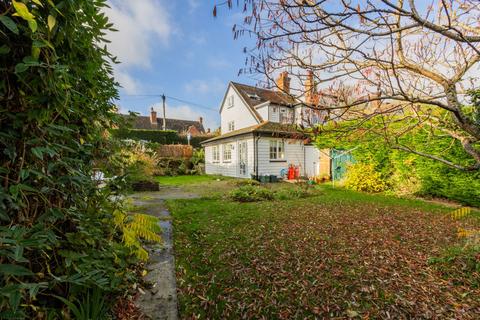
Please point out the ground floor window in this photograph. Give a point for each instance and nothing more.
(277, 150)
(227, 152)
(216, 153)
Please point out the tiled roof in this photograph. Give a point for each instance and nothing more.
(255, 96)
(143, 122)
(266, 127)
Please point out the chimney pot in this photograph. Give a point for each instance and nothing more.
(283, 82)
(200, 119)
(153, 116)
(310, 90)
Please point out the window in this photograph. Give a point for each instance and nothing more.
(227, 152)
(277, 150)
(216, 153)
(230, 101)
(231, 125)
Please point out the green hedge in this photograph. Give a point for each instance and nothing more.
(159, 136)
(409, 174)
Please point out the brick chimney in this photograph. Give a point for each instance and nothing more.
(200, 119)
(153, 116)
(310, 89)
(283, 82)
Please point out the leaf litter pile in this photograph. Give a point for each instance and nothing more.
(313, 259)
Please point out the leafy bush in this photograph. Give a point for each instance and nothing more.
(158, 136)
(363, 177)
(57, 232)
(248, 193)
(173, 167)
(292, 193)
(247, 182)
(141, 163)
(410, 174)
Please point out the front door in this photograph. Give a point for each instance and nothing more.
(242, 158)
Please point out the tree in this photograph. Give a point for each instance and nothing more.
(405, 61)
(57, 232)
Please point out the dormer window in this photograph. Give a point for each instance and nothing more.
(230, 101)
(253, 96)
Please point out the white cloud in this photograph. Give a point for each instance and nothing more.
(212, 86)
(129, 84)
(141, 24)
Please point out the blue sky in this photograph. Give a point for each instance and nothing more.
(177, 48)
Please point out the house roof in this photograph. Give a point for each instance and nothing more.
(143, 122)
(265, 128)
(255, 96)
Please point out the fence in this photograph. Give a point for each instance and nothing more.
(174, 151)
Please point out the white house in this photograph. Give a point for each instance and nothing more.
(259, 135)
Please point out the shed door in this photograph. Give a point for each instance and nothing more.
(340, 160)
(242, 158)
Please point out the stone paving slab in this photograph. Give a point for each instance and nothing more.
(160, 301)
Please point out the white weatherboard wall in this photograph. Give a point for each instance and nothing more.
(263, 111)
(239, 112)
(274, 113)
(294, 154)
(232, 168)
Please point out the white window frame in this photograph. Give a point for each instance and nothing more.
(277, 150)
(216, 154)
(231, 125)
(230, 101)
(227, 152)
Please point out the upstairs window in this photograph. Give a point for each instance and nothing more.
(227, 152)
(231, 125)
(230, 101)
(277, 150)
(216, 153)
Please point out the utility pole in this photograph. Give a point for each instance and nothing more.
(164, 127)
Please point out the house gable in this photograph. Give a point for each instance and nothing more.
(235, 113)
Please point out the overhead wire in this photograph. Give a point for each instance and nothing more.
(146, 96)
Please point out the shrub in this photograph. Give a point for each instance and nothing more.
(56, 225)
(292, 193)
(140, 163)
(247, 182)
(248, 193)
(158, 136)
(363, 177)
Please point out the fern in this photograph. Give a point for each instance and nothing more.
(137, 227)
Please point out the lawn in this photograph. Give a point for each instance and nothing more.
(336, 254)
(187, 180)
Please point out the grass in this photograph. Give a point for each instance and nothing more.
(336, 254)
(187, 180)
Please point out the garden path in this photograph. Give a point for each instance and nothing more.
(160, 300)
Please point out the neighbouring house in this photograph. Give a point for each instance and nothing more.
(152, 122)
(259, 133)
